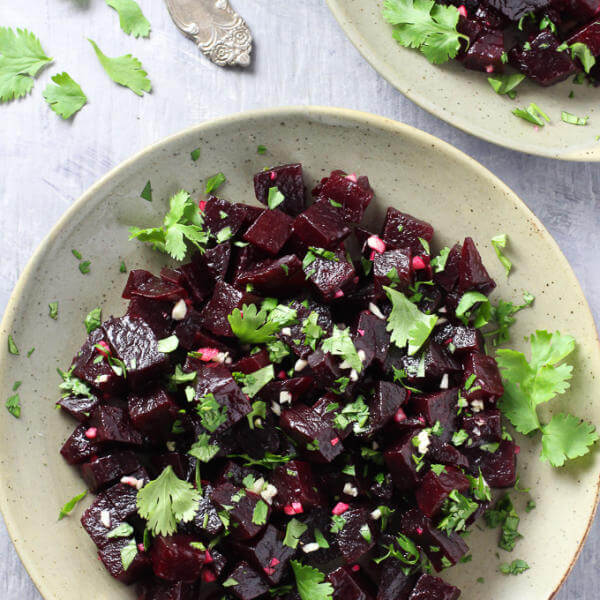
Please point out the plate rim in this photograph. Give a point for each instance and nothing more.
(312, 112)
(380, 66)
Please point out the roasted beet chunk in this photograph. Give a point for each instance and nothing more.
(434, 489)
(145, 285)
(78, 448)
(296, 488)
(372, 337)
(331, 274)
(387, 400)
(106, 469)
(433, 588)
(436, 544)
(152, 412)
(219, 214)
(135, 344)
(214, 262)
(240, 504)
(191, 335)
(175, 559)
(224, 300)
(472, 274)
(484, 427)
(110, 555)
(183, 465)
(314, 436)
(347, 191)
(515, 9)
(288, 180)
(487, 383)
(400, 463)
(78, 407)
(346, 586)
(324, 368)
(321, 225)
(485, 53)
(281, 277)
(394, 584)
(403, 231)
(439, 407)
(100, 519)
(113, 425)
(498, 468)
(154, 312)
(270, 231)
(248, 583)
(463, 339)
(123, 496)
(158, 589)
(267, 554)
(393, 268)
(355, 537)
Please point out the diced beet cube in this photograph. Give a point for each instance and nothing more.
(156, 313)
(441, 406)
(78, 407)
(485, 53)
(382, 490)
(215, 562)
(464, 339)
(249, 584)
(110, 555)
(541, 62)
(206, 520)
(135, 344)
(472, 274)
(394, 584)
(217, 380)
(234, 473)
(437, 362)
(346, 191)
(434, 489)
(198, 285)
(142, 283)
(288, 180)
(282, 277)
(191, 336)
(328, 407)
(270, 231)
(225, 299)
(100, 519)
(581, 10)
(515, 9)
(219, 214)
(433, 588)
(183, 465)
(372, 338)
(445, 454)
(252, 362)
(318, 441)
(487, 384)
(324, 368)
(499, 468)
(97, 374)
(152, 412)
(387, 399)
(484, 427)
(113, 425)
(295, 387)
(106, 469)
(393, 268)
(214, 262)
(245, 259)
(401, 230)
(240, 505)
(295, 484)
(448, 278)
(251, 213)
(589, 35)
(123, 496)
(267, 554)
(399, 461)
(346, 586)
(331, 278)
(356, 537)
(175, 559)
(436, 544)
(157, 589)
(78, 448)
(321, 225)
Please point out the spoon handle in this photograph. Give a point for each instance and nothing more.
(219, 32)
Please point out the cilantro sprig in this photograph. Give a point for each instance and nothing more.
(309, 582)
(131, 18)
(253, 326)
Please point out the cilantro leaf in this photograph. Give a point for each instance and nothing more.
(70, 505)
(122, 530)
(438, 264)
(584, 54)
(12, 346)
(293, 532)
(66, 97)
(466, 303)
(502, 316)
(566, 437)
(533, 113)
(128, 554)
(309, 582)
(567, 117)
(275, 198)
(53, 310)
(13, 406)
(253, 382)
(21, 58)
(214, 182)
(202, 449)
(131, 18)
(269, 460)
(425, 25)
(167, 500)
(516, 567)
(505, 83)
(259, 515)
(252, 326)
(340, 344)
(499, 243)
(407, 324)
(125, 70)
(93, 320)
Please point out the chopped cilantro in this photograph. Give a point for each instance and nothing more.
(93, 320)
(202, 449)
(13, 405)
(506, 83)
(146, 195)
(70, 505)
(584, 54)
(12, 347)
(122, 530)
(195, 154)
(309, 582)
(456, 510)
(259, 515)
(499, 243)
(212, 414)
(293, 532)
(252, 326)
(214, 182)
(53, 310)
(260, 149)
(533, 113)
(66, 97)
(168, 345)
(516, 567)
(340, 344)
(275, 198)
(84, 266)
(572, 119)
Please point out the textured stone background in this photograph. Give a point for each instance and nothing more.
(301, 57)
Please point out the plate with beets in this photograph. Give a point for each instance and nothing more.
(304, 399)
(502, 40)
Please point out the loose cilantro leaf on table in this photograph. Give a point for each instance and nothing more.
(195, 154)
(253, 326)
(21, 58)
(183, 223)
(125, 70)
(504, 515)
(66, 97)
(70, 505)
(309, 582)
(131, 18)
(166, 501)
(407, 324)
(572, 119)
(533, 113)
(502, 317)
(426, 25)
(84, 267)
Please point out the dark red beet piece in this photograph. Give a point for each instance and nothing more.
(123, 496)
(152, 412)
(321, 225)
(346, 190)
(435, 489)
(95, 518)
(401, 465)
(240, 505)
(515, 9)
(484, 427)
(78, 448)
(252, 362)
(191, 335)
(472, 274)
(499, 469)
(433, 588)
(346, 585)
(295, 387)
(317, 440)
(106, 469)
(485, 53)
(356, 537)
(387, 399)
(327, 407)
(394, 584)
(214, 262)
(198, 285)
(183, 465)
(110, 555)
(78, 407)
(270, 231)
(331, 278)
(324, 369)
(282, 277)
(157, 589)
(142, 283)
(206, 520)
(372, 338)
(113, 425)
(155, 312)
(225, 299)
(445, 454)
(487, 384)
(434, 541)
(393, 268)
(401, 230)
(442, 407)
(175, 559)
(288, 180)
(219, 214)
(295, 484)
(464, 339)
(249, 584)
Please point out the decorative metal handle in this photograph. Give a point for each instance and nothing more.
(219, 32)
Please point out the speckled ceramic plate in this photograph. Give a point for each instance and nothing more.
(465, 99)
(408, 169)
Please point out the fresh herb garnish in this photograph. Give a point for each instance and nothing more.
(84, 267)
(504, 515)
(131, 18)
(533, 113)
(506, 83)
(12, 347)
(355, 413)
(66, 97)
(259, 515)
(128, 554)
(195, 154)
(269, 460)
(252, 383)
(456, 510)
(340, 344)
(121, 531)
(309, 582)
(168, 345)
(146, 195)
(584, 54)
(93, 320)
(53, 310)
(13, 405)
(202, 449)
(253, 326)
(293, 533)
(260, 149)
(275, 198)
(516, 567)
(70, 505)
(212, 414)
(214, 182)
(567, 117)
(499, 243)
